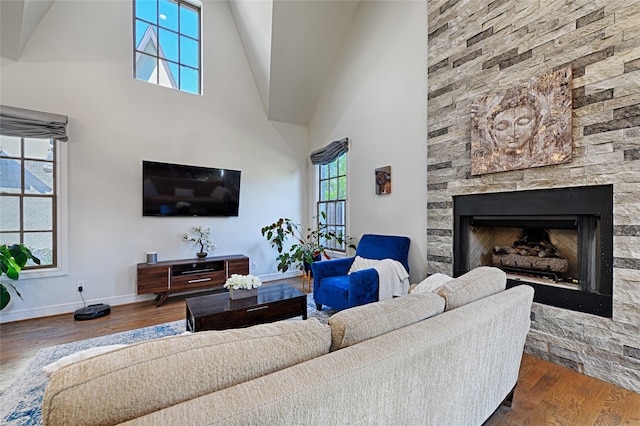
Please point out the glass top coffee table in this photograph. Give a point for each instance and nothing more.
(274, 302)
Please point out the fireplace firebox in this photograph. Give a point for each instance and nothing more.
(559, 241)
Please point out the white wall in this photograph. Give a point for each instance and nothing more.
(376, 95)
(83, 69)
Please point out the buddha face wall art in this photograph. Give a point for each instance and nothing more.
(524, 126)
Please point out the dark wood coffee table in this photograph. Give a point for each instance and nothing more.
(218, 312)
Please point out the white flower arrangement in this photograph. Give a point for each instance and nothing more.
(242, 282)
(201, 237)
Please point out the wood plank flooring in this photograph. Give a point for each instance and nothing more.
(547, 394)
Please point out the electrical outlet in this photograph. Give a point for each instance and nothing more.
(253, 265)
(80, 286)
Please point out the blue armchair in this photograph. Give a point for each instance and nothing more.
(333, 287)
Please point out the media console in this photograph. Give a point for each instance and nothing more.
(178, 276)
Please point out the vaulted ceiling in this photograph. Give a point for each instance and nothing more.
(18, 20)
(290, 45)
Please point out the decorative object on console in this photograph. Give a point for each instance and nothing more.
(383, 180)
(308, 247)
(242, 286)
(152, 257)
(528, 125)
(201, 237)
(12, 260)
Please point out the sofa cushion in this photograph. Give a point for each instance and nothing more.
(176, 369)
(360, 323)
(474, 285)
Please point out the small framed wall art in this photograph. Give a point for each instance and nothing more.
(383, 180)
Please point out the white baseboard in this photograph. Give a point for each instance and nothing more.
(65, 308)
(279, 276)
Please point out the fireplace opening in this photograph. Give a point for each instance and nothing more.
(535, 253)
(559, 241)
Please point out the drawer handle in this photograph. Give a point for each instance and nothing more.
(198, 271)
(201, 280)
(258, 308)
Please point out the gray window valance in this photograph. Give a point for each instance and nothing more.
(330, 152)
(25, 123)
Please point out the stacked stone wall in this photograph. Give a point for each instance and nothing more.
(477, 48)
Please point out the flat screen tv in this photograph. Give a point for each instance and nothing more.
(181, 190)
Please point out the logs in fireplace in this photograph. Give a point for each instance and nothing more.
(533, 254)
(560, 241)
(534, 258)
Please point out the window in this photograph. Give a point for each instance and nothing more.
(29, 199)
(167, 44)
(332, 200)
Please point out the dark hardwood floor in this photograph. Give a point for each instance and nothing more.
(547, 394)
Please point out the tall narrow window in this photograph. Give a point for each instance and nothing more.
(28, 196)
(167, 47)
(332, 200)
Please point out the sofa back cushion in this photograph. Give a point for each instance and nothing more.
(360, 323)
(474, 285)
(176, 369)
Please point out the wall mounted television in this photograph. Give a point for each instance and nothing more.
(181, 190)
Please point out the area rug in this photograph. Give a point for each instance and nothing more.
(21, 403)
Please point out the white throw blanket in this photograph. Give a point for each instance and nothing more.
(393, 279)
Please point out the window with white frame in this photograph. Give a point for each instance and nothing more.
(167, 43)
(29, 199)
(332, 199)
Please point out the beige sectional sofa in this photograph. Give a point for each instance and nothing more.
(401, 361)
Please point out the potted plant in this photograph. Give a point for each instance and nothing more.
(12, 260)
(201, 237)
(308, 246)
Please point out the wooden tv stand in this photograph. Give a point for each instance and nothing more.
(177, 276)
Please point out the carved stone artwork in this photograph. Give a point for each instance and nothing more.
(524, 126)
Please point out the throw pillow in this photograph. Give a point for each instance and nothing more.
(364, 322)
(474, 285)
(360, 263)
(176, 369)
(49, 369)
(431, 284)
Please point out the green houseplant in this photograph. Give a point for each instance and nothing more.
(12, 260)
(308, 245)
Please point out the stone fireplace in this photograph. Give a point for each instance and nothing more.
(477, 49)
(559, 241)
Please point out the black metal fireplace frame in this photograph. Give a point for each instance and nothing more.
(596, 200)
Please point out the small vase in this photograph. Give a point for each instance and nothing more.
(241, 293)
(201, 255)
